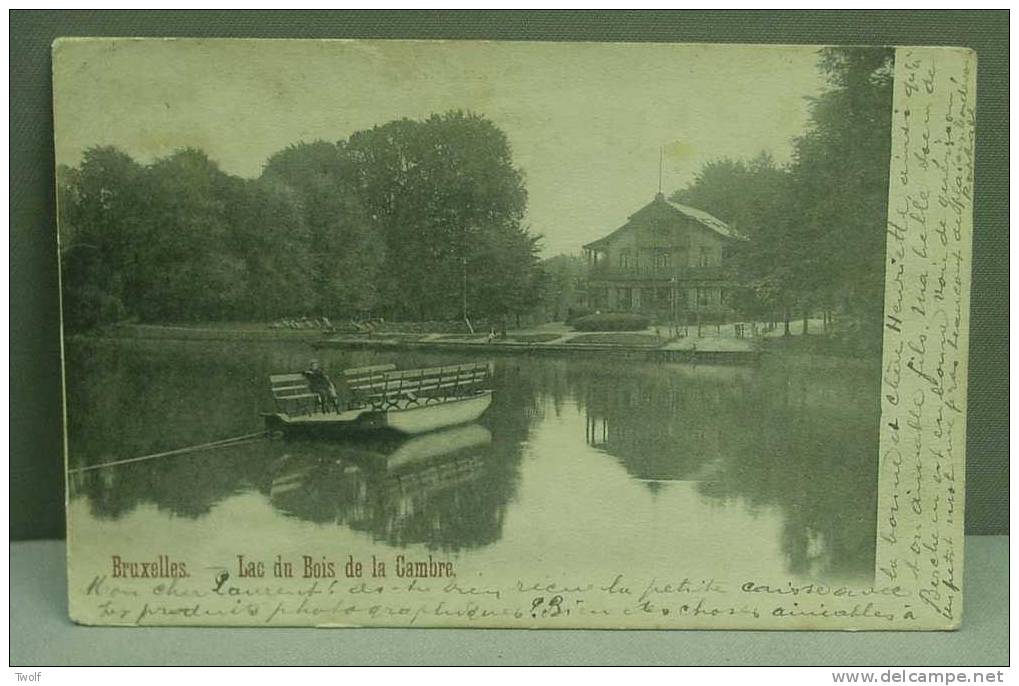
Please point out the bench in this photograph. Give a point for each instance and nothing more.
(361, 375)
(381, 386)
(420, 385)
(292, 393)
(360, 378)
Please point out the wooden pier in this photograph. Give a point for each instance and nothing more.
(663, 353)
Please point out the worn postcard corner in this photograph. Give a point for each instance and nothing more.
(495, 334)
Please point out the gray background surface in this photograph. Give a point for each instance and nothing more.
(41, 634)
(36, 462)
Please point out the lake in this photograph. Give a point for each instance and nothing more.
(769, 469)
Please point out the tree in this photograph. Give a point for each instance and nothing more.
(562, 278)
(192, 271)
(756, 199)
(271, 237)
(177, 240)
(101, 214)
(508, 278)
(409, 219)
(841, 178)
(816, 227)
(344, 252)
(442, 192)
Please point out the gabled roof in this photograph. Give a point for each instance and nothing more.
(708, 220)
(703, 218)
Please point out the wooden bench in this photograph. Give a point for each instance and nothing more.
(421, 385)
(292, 393)
(381, 386)
(360, 378)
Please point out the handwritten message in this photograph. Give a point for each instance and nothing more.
(321, 591)
(922, 468)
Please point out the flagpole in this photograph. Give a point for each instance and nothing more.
(661, 155)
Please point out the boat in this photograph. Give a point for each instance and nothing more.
(382, 398)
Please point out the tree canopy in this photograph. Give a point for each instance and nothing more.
(817, 224)
(411, 219)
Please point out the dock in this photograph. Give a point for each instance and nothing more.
(690, 350)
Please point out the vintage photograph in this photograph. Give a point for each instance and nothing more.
(591, 323)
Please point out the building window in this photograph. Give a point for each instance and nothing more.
(705, 260)
(703, 297)
(625, 299)
(662, 260)
(647, 298)
(663, 298)
(625, 259)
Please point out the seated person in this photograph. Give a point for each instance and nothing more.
(321, 385)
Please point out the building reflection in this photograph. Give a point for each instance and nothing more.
(799, 441)
(666, 423)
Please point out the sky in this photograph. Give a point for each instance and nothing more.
(585, 121)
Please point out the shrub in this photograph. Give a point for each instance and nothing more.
(575, 313)
(449, 326)
(612, 321)
(531, 337)
(616, 339)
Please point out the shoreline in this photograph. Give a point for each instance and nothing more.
(691, 350)
(662, 353)
(176, 332)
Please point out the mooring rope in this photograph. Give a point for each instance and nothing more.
(222, 443)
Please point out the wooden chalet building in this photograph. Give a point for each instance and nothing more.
(668, 261)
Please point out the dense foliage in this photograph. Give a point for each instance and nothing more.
(817, 225)
(564, 286)
(409, 220)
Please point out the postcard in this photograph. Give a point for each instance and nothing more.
(509, 334)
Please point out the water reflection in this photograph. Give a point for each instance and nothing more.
(183, 486)
(667, 423)
(444, 489)
(797, 442)
(802, 439)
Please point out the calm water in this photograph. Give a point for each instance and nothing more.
(771, 470)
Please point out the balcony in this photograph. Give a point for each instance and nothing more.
(650, 273)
